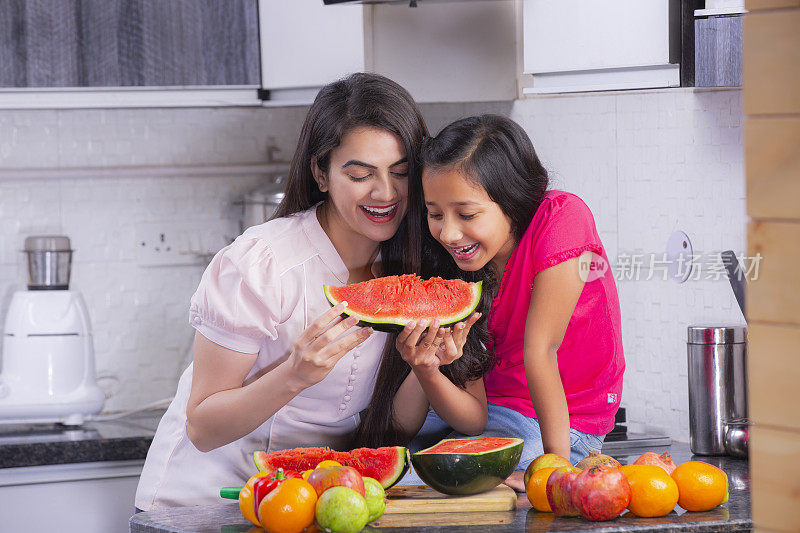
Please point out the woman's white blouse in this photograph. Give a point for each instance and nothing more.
(257, 296)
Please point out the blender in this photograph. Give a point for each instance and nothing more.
(48, 372)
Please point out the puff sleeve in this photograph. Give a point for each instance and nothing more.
(563, 228)
(237, 304)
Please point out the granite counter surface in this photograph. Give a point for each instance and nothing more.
(733, 516)
(122, 439)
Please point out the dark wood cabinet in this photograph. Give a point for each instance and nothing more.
(128, 43)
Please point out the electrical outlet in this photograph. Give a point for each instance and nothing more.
(163, 244)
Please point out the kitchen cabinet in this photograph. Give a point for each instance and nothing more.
(440, 52)
(78, 53)
(577, 45)
(88, 497)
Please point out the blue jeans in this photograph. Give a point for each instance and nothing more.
(506, 422)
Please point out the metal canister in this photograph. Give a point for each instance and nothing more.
(717, 384)
(49, 258)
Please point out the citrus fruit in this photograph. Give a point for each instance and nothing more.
(289, 508)
(536, 489)
(246, 502)
(328, 462)
(342, 510)
(701, 486)
(653, 491)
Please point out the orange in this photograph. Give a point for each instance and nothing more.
(653, 491)
(246, 504)
(327, 463)
(289, 507)
(536, 489)
(701, 486)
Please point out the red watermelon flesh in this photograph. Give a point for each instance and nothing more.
(387, 465)
(470, 445)
(397, 300)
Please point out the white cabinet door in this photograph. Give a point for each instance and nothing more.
(440, 52)
(305, 45)
(82, 497)
(583, 45)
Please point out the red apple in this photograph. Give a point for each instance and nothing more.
(543, 461)
(601, 492)
(336, 476)
(559, 491)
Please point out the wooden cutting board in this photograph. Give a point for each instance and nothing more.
(423, 499)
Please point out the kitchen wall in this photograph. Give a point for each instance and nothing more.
(647, 163)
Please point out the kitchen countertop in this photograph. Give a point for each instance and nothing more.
(123, 439)
(733, 516)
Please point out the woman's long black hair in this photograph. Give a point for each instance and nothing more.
(370, 100)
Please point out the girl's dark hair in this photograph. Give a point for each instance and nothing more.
(375, 101)
(497, 154)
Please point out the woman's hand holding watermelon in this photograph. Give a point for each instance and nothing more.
(420, 351)
(454, 340)
(317, 349)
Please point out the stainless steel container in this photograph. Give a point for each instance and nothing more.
(49, 259)
(717, 387)
(259, 205)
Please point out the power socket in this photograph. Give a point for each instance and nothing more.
(163, 244)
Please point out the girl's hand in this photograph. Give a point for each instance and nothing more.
(317, 350)
(453, 345)
(419, 351)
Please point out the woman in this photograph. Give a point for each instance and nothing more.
(274, 366)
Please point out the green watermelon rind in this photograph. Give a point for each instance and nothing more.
(402, 462)
(394, 324)
(460, 474)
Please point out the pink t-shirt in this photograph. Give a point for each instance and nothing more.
(590, 359)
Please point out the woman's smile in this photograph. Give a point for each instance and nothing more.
(380, 214)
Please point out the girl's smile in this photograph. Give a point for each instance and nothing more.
(465, 220)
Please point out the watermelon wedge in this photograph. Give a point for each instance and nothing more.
(391, 302)
(387, 465)
(467, 466)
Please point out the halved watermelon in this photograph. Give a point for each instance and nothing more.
(391, 302)
(467, 466)
(387, 464)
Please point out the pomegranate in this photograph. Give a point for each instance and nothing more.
(559, 491)
(601, 492)
(596, 458)
(652, 458)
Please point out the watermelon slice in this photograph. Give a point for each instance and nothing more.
(391, 302)
(467, 466)
(387, 465)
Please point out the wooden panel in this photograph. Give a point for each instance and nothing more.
(773, 372)
(718, 52)
(112, 43)
(426, 520)
(775, 478)
(12, 44)
(423, 499)
(772, 297)
(754, 5)
(771, 59)
(773, 167)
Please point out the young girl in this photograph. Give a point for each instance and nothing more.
(274, 365)
(555, 333)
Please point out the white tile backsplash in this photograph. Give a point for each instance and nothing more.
(646, 163)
